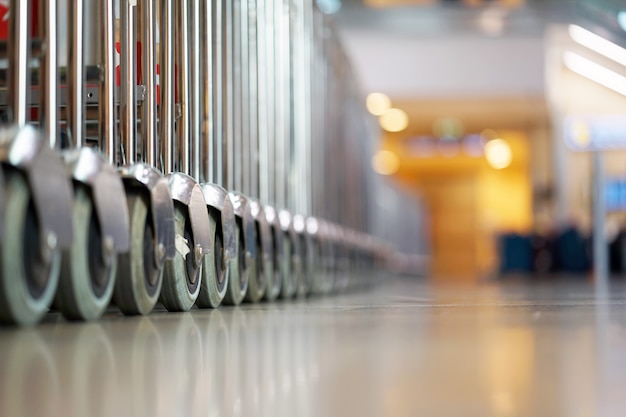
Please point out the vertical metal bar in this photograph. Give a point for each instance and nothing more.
(107, 86)
(166, 81)
(19, 76)
(196, 88)
(237, 122)
(207, 104)
(307, 13)
(267, 148)
(300, 107)
(286, 112)
(216, 148)
(49, 76)
(183, 78)
(148, 77)
(263, 101)
(317, 170)
(76, 74)
(244, 97)
(600, 250)
(128, 75)
(279, 74)
(289, 180)
(253, 100)
(228, 81)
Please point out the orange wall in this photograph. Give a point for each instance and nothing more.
(469, 204)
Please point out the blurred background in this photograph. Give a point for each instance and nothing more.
(490, 116)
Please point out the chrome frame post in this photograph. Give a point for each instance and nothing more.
(207, 100)
(107, 108)
(196, 87)
(228, 95)
(76, 74)
(253, 100)
(49, 75)
(236, 105)
(148, 128)
(19, 75)
(183, 127)
(128, 81)
(219, 65)
(166, 81)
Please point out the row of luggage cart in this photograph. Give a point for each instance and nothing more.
(181, 152)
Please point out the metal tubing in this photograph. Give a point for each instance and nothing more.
(128, 75)
(107, 86)
(244, 160)
(279, 156)
(264, 96)
(228, 78)
(272, 137)
(49, 76)
(76, 74)
(236, 80)
(263, 103)
(183, 127)
(196, 88)
(166, 79)
(301, 127)
(148, 78)
(253, 100)
(283, 86)
(217, 148)
(207, 63)
(19, 76)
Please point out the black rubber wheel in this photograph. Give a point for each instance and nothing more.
(214, 269)
(86, 283)
(237, 271)
(139, 280)
(290, 281)
(274, 283)
(257, 275)
(182, 274)
(27, 282)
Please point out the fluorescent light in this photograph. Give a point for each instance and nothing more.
(621, 19)
(595, 72)
(598, 44)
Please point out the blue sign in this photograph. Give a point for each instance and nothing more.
(595, 133)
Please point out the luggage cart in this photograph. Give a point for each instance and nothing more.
(198, 171)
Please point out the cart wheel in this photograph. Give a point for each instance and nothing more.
(289, 283)
(256, 272)
(274, 282)
(214, 269)
(139, 280)
(87, 279)
(237, 273)
(182, 274)
(28, 280)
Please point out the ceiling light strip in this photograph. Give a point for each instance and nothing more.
(598, 44)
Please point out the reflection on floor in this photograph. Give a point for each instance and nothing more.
(402, 349)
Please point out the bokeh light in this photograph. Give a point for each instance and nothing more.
(498, 153)
(394, 120)
(378, 103)
(385, 162)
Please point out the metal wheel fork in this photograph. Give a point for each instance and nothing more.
(215, 268)
(35, 224)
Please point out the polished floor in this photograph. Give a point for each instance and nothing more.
(404, 348)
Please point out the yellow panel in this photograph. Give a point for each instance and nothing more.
(469, 204)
